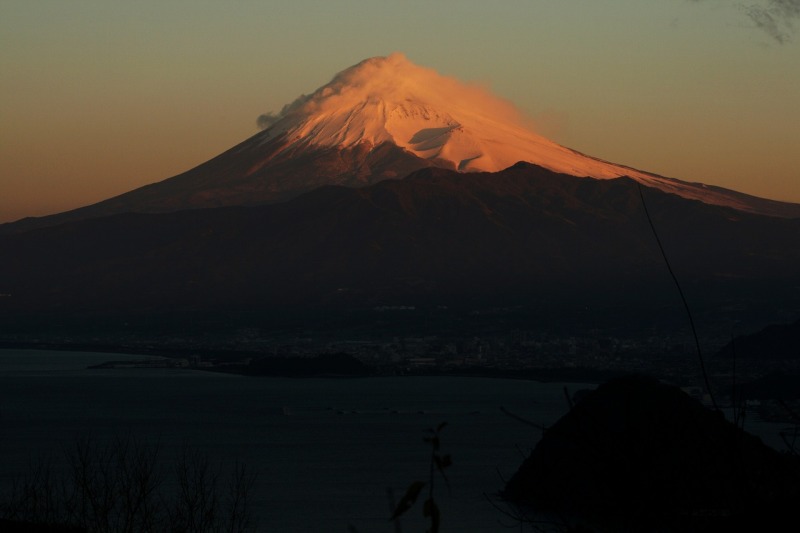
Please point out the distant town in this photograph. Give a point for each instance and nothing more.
(518, 354)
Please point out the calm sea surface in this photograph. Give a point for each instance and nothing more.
(325, 450)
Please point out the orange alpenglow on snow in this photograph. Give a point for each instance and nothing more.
(390, 99)
(450, 124)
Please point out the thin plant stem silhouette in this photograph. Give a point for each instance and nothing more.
(683, 299)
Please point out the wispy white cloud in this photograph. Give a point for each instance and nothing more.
(777, 18)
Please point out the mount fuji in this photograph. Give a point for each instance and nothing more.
(395, 187)
(382, 118)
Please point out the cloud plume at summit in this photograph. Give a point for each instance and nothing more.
(366, 81)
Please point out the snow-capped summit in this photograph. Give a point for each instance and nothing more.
(452, 124)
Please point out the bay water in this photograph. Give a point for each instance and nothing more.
(327, 452)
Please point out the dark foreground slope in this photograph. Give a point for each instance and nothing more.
(637, 455)
(436, 239)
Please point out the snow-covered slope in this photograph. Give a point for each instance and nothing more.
(450, 124)
(390, 99)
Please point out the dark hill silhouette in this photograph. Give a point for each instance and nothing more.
(637, 455)
(777, 341)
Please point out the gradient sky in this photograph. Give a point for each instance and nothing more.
(98, 97)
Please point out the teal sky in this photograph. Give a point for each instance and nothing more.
(98, 97)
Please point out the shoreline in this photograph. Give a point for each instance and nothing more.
(231, 363)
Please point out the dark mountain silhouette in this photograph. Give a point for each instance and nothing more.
(437, 238)
(777, 341)
(775, 346)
